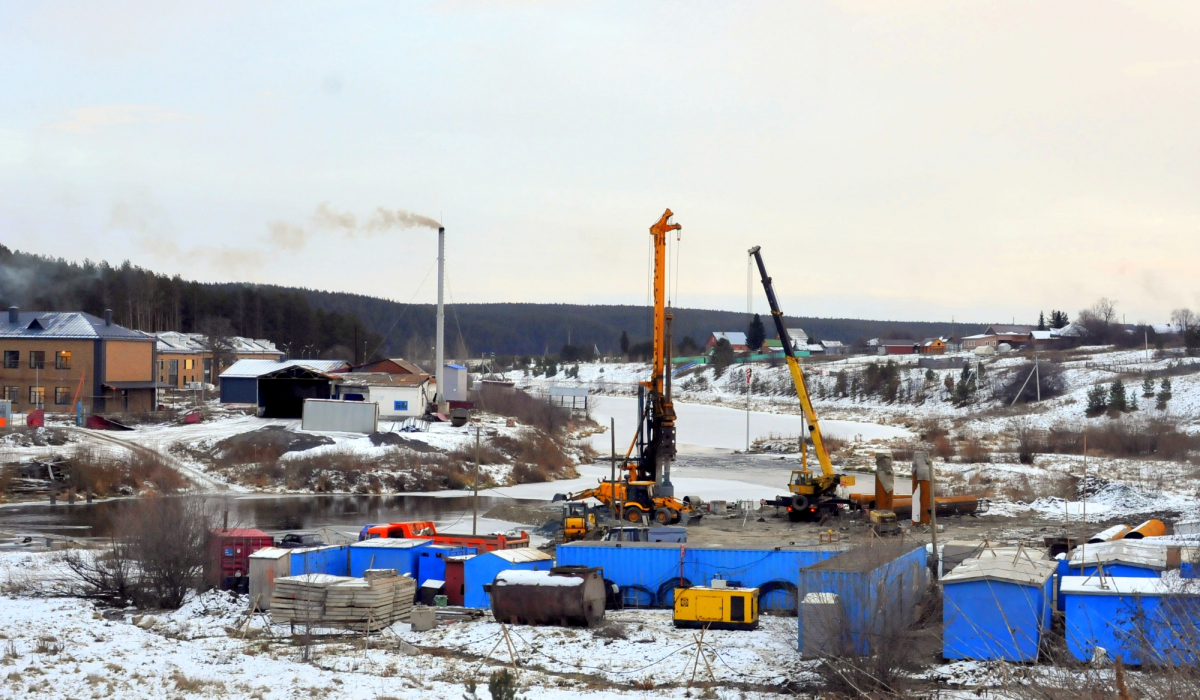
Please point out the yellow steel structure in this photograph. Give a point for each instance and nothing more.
(810, 490)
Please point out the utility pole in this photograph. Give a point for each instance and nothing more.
(612, 433)
(475, 487)
(440, 347)
(747, 409)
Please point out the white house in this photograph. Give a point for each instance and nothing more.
(398, 395)
(799, 338)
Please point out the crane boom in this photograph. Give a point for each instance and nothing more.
(793, 363)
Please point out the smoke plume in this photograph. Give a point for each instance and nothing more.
(295, 237)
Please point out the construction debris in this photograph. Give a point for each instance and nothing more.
(365, 604)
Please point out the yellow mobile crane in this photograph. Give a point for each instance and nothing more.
(646, 489)
(812, 496)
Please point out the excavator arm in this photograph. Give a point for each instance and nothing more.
(578, 495)
(793, 363)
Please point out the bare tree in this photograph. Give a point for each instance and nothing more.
(1105, 310)
(417, 348)
(1184, 318)
(217, 333)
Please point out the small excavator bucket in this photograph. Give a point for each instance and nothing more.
(558, 497)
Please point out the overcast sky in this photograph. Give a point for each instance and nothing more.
(895, 159)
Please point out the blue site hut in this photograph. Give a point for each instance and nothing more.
(481, 570)
(331, 559)
(1121, 559)
(386, 553)
(996, 607)
(1138, 620)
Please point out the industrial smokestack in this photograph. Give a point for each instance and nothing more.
(108, 317)
(12, 314)
(440, 351)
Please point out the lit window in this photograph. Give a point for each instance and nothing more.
(37, 395)
(62, 359)
(12, 393)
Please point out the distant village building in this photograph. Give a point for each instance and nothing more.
(52, 357)
(735, 338)
(834, 347)
(933, 346)
(186, 358)
(399, 395)
(897, 346)
(279, 388)
(798, 336)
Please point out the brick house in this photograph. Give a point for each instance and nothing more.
(736, 339)
(992, 336)
(52, 357)
(183, 357)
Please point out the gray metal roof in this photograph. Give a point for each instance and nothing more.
(63, 324)
(251, 369)
(1017, 568)
(173, 342)
(1149, 555)
(355, 379)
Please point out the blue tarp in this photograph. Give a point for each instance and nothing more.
(649, 572)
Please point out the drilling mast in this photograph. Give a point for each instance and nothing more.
(656, 433)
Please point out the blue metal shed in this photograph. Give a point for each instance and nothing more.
(877, 586)
(384, 553)
(995, 608)
(431, 560)
(1139, 620)
(333, 559)
(649, 572)
(481, 569)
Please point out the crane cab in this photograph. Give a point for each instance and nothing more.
(717, 607)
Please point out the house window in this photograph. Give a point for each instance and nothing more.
(62, 395)
(37, 359)
(189, 364)
(12, 359)
(162, 364)
(62, 359)
(12, 393)
(37, 395)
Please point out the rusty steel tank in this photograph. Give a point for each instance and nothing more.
(567, 596)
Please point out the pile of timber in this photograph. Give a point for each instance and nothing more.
(365, 604)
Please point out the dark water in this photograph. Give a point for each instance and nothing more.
(276, 514)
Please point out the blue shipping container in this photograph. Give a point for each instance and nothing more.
(649, 572)
(383, 553)
(996, 609)
(1139, 620)
(878, 588)
(333, 559)
(481, 570)
(431, 561)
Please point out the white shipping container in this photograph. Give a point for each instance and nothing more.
(324, 415)
(266, 565)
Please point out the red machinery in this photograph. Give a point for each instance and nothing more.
(425, 529)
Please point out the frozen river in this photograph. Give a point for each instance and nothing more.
(700, 428)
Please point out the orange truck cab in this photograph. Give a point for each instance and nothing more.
(426, 530)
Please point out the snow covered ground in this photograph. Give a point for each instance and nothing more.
(69, 648)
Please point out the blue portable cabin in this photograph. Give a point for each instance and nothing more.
(1122, 558)
(386, 553)
(1139, 620)
(995, 608)
(877, 586)
(481, 570)
(431, 560)
(649, 572)
(331, 559)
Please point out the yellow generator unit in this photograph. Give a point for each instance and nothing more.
(717, 607)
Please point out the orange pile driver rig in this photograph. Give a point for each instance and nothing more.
(646, 490)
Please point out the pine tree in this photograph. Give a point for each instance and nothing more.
(624, 343)
(1097, 401)
(1164, 394)
(1041, 321)
(930, 376)
(1117, 400)
(1133, 403)
(841, 387)
(1147, 387)
(755, 334)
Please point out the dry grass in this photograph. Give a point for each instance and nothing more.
(1128, 436)
(104, 473)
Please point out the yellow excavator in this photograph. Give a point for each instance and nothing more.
(646, 490)
(813, 496)
(578, 522)
(638, 500)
